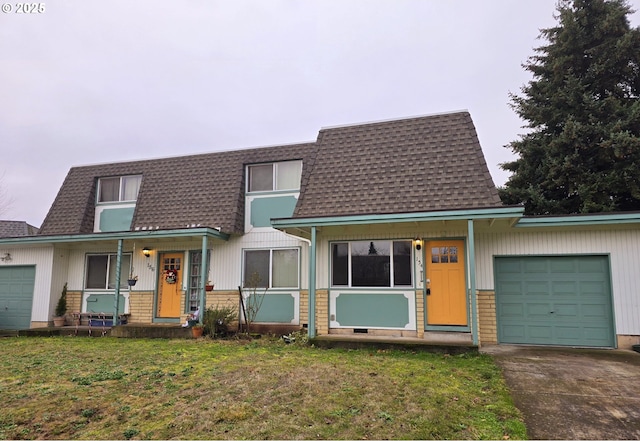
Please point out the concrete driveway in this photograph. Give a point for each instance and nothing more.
(566, 393)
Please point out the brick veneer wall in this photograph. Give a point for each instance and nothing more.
(487, 317)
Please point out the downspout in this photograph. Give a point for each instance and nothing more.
(203, 279)
(311, 330)
(472, 282)
(117, 295)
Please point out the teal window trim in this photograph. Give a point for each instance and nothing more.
(190, 261)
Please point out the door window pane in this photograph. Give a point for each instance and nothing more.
(261, 177)
(285, 269)
(256, 269)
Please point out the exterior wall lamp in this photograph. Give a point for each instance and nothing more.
(418, 242)
(146, 251)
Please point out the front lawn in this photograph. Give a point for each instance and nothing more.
(107, 388)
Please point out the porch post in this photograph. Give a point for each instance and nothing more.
(203, 279)
(311, 329)
(117, 295)
(472, 282)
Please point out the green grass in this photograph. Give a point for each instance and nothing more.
(104, 388)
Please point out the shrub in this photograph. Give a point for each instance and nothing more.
(217, 319)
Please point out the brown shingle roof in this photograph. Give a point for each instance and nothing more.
(401, 166)
(205, 190)
(16, 229)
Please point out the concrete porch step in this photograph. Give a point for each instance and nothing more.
(382, 342)
(155, 330)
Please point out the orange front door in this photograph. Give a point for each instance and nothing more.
(447, 301)
(169, 283)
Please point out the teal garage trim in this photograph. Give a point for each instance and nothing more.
(554, 300)
(372, 310)
(116, 219)
(16, 296)
(267, 208)
(275, 308)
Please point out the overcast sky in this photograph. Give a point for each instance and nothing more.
(93, 81)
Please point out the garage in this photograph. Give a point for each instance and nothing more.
(554, 300)
(16, 296)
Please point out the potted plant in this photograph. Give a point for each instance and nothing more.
(209, 286)
(61, 308)
(197, 330)
(131, 281)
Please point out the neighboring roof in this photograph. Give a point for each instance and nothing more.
(16, 229)
(401, 166)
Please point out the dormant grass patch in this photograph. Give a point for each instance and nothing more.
(106, 388)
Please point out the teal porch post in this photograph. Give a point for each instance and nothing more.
(472, 282)
(203, 279)
(311, 330)
(117, 295)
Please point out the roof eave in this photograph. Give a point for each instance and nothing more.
(125, 235)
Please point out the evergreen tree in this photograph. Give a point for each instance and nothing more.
(581, 153)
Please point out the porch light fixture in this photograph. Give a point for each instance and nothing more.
(146, 251)
(418, 243)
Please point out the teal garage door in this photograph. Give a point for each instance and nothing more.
(16, 296)
(558, 300)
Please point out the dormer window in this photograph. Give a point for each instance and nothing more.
(276, 176)
(119, 189)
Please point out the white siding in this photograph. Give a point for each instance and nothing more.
(42, 259)
(226, 259)
(623, 247)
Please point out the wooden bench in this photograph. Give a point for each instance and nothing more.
(103, 320)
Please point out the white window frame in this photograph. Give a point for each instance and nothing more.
(274, 178)
(270, 282)
(121, 195)
(392, 283)
(124, 272)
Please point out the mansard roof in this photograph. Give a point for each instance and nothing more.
(400, 166)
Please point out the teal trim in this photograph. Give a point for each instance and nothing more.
(166, 320)
(372, 310)
(116, 219)
(103, 303)
(116, 294)
(579, 219)
(204, 269)
(266, 208)
(449, 328)
(276, 308)
(486, 213)
(555, 300)
(311, 327)
(472, 283)
(125, 235)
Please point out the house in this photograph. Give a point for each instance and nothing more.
(391, 228)
(16, 229)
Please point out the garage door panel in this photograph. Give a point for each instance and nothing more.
(538, 310)
(534, 266)
(16, 296)
(568, 304)
(513, 310)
